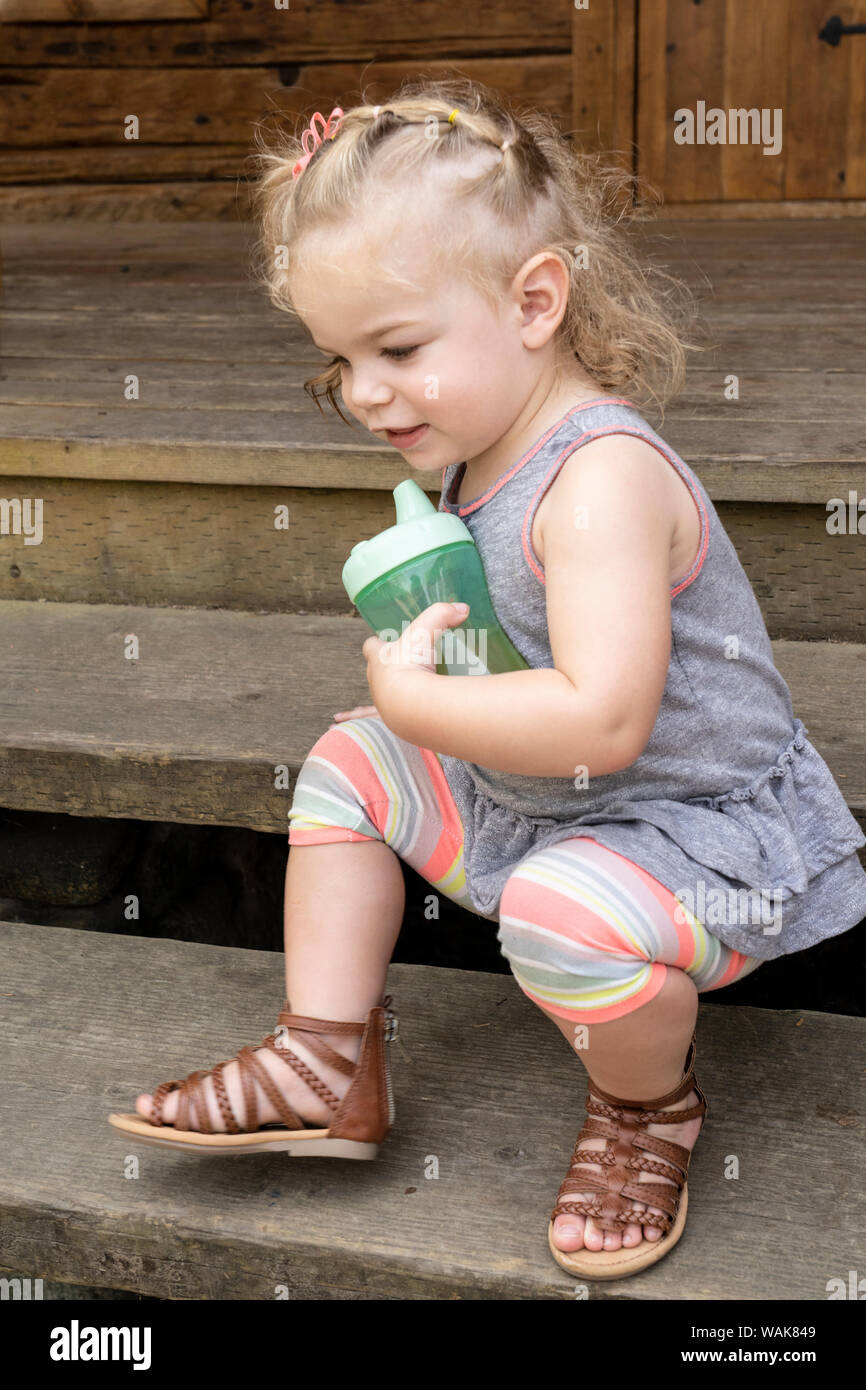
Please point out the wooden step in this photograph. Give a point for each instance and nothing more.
(207, 546)
(171, 499)
(221, 370)
(456, 1204)
(197, 728)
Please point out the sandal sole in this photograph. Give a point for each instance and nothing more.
(303, 1143)
(619, 1264)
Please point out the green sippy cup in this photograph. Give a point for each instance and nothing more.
(429, 557)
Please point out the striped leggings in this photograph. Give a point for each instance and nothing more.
(588, 934)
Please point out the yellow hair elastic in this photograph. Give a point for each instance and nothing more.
(453, 114)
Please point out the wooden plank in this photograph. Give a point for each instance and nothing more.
(144, 244)
(95, 99)
(135, 161)
(194, 729)
(603, 78)
(316, 31)
(825, 399)
(819, 111)
(72, 1050)
(756, 35)
(164, 336)
(164, 302)
(810, 209)
(234, 713)
(790, 464)
(101, 11)
(750, 54)
(95, 204)
(183, 544)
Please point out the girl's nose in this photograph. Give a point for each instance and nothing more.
(366, 392)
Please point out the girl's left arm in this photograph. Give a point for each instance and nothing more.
(607, 554)
(527, 722)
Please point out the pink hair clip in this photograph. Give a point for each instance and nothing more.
(311, 133)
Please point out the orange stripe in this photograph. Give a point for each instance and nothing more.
(451, 839)
(325, 836)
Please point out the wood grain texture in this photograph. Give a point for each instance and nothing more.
(603, 53)
(317, 31)
(84, 305)
(79, 11)
(482, 1082)
(212, 107)
(751, 54)
(178, 543)
(195, 729)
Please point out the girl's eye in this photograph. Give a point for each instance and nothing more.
(398, 355)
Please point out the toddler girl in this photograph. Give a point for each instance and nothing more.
(639, 811)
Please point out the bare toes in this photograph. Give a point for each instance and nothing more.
(144, 1105)
(568, 1233)
(593, 1237)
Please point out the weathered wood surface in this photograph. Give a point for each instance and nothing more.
(604, 95)
(196, 729)
(158, 544)
(483, 1085)
(221, 371)
(750, 54)
(199, 105)
(166, 175)
(64, 11)
(310, 31)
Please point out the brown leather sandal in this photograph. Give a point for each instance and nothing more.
(624, 1122)
(360, 1120)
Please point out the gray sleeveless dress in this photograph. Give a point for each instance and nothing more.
(729, 806)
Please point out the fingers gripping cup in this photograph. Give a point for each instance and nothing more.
(429, 557)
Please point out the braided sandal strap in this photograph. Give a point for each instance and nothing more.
(192, 1098)
(623, 1125)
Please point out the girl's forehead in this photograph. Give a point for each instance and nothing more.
(334, 286)
(324, 298)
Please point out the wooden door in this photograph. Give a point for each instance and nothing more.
(715, 84)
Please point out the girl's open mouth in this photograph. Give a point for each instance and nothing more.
(404, 439)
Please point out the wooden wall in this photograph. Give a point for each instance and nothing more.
(201, 74)
(199, 85)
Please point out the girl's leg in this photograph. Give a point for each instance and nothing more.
(614, 961)
(363, 799)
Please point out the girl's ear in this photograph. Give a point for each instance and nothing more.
(543, 284)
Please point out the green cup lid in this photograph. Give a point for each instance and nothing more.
(419, 529)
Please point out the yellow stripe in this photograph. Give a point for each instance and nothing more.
(601, 996)
(585, 896)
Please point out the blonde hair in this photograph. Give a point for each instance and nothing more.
(624, 319)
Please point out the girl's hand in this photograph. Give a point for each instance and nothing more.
(388, 662)
(359, 712)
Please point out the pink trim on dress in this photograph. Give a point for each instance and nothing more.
(539, 444)
(529, 552)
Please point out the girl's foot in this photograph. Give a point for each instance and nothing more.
(301, 1097)
(572, 1231)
